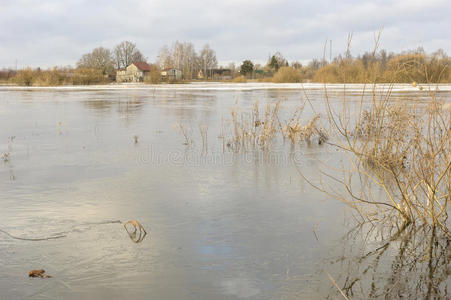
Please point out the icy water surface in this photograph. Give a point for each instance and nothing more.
(221, 225)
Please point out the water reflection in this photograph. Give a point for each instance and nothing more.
(99, 105)
(128, 108)
(225, 225)
(410, 262)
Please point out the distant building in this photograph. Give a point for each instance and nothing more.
(220, 74)
(171, 74)
(136, 72)
(215, 74)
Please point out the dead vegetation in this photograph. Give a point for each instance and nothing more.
(414, 261)
(135, 231)
(39, 273)
(6, 154)
(398, 166)
(259, 127)
(186, 133)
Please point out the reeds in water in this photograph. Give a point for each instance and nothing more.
(401, 148)
(258, 130)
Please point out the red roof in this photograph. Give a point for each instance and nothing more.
(143, 66)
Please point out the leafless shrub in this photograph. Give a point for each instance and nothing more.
(401, 148)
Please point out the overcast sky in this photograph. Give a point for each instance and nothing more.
(57, 32)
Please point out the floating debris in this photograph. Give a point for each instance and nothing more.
(39, 273)
(133, 227)
(5, 156)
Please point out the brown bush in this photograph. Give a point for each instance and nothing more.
(287, 74)
(24, 77)
(239, 79)
(154, 76)
(83, 76)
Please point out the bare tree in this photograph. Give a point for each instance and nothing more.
(207, 59)
(125, 53)
(99, 58)
(165, 58)
(137, 56)
(188, 58)
(181, 56)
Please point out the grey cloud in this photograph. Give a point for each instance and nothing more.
(55, 32)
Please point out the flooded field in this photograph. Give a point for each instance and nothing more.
(221, 224)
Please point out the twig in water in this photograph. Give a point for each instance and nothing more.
(333, 281)
(314, 232)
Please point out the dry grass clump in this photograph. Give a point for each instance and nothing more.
(297, 132)
(287, 74)
(254, 129)
(259, 128)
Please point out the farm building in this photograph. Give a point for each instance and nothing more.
(171, 74)
(135, 72)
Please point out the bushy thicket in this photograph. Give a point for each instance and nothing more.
(154, 76)
(379, 67)
(6, 75)
(398, 68)
(58, 76)
(239, 79)
(287, 74)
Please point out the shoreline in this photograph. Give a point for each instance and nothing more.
(236, 86)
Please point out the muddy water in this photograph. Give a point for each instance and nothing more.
(221, 225)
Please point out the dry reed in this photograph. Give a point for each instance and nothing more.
(258, 128)
(399, 147)
(186, 134)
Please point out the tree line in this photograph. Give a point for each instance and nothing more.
(379, 67)
(99, 66)
(181, 55)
